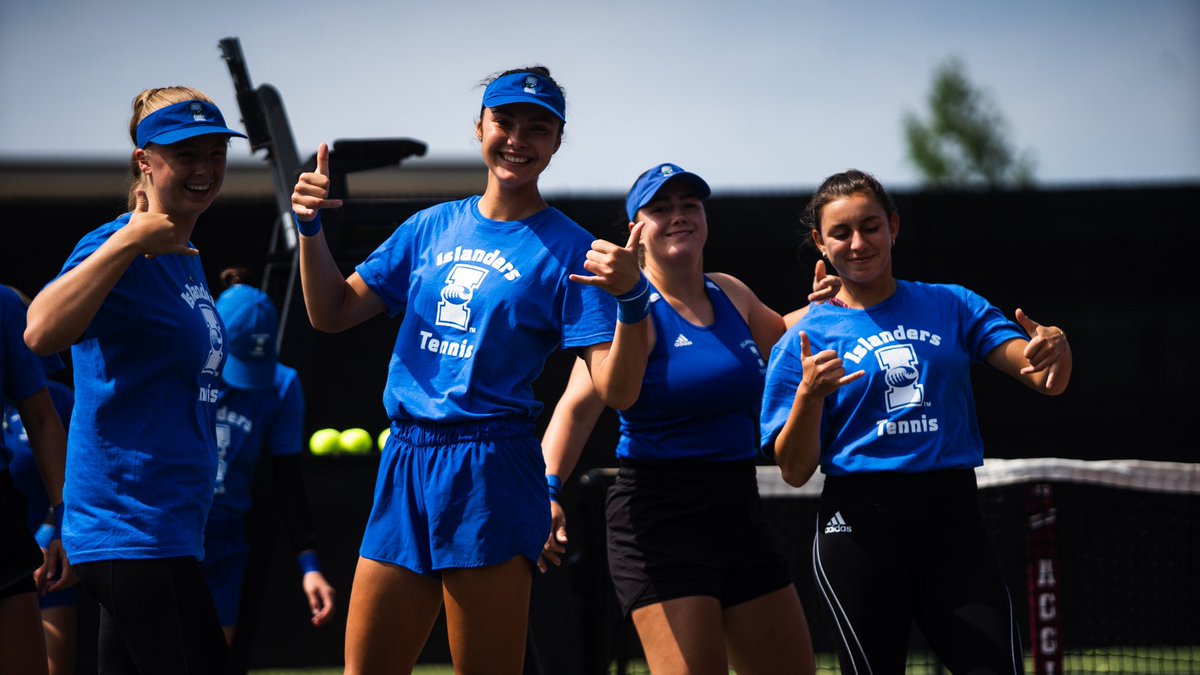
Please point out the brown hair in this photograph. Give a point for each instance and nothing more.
(144, 103)
(838, 186)
(232, 276)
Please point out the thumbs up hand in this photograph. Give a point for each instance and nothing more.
(311, 193)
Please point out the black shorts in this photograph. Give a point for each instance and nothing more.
(895, 548)
(156, 616)
(19, 552)
(680, 529)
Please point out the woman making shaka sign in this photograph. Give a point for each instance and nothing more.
(691, 558)
(147, 348)
(461, 504)
(874, 387)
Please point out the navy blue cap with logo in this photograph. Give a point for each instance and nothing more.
(251, 327)
(182, 121)
(525, 88)
(649, 183)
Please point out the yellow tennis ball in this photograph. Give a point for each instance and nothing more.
(383, 436)
(324, 442)
(356, 441)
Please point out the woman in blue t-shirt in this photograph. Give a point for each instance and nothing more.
(691, 558)
(260, 414)
(874, 387)
(487, 286)
(147, 349)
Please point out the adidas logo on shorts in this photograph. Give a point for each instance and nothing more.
(837, 524)
(682, 341)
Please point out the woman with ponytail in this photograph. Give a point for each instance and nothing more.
(147, 347)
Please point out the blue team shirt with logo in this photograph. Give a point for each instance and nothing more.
(702, 388)
(914, 410)
(21, 372)
(143, 457)
(250, 421)
(485, 303)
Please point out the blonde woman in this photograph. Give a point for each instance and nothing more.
(147, 348)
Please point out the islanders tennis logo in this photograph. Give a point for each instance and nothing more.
(899, 363)
(460, 287)
(197, 297)
(750, 346)
(216, 341)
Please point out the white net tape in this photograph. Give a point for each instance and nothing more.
(1133, 474)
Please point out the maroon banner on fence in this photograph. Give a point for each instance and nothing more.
(1045, 594)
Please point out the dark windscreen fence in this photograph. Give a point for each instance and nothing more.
(1102, 559)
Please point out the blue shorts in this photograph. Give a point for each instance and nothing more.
(226, 554)
(452, 496)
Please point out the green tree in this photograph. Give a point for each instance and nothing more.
(963, 142)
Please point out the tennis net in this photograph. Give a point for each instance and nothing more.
(1102, 559)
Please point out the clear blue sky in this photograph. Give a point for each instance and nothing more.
(751, 95)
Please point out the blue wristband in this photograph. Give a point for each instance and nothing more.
(633, 306)
(308, 562)
(309, 229)
(44, 534)
(553, 486)
(58, 518)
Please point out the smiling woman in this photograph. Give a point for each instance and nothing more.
(163, 130)
(186, 175)
(132, 303)
(461, 503)
(889, 416)
(691, 559)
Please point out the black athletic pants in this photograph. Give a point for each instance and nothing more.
(894, 548)
(156, 616)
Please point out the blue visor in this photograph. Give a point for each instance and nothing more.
(525, 88)
(182, 121)
(649, 183)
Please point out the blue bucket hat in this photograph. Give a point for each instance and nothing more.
(526, 88)
(251, 327)
(182, 121)
(649, 183)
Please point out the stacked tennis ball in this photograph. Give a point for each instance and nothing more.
(353, 441)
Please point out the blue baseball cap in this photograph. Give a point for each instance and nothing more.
(182, 121)
(251, 327)
(649, 183)
(526, 88)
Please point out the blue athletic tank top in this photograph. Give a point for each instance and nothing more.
(702, 390)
